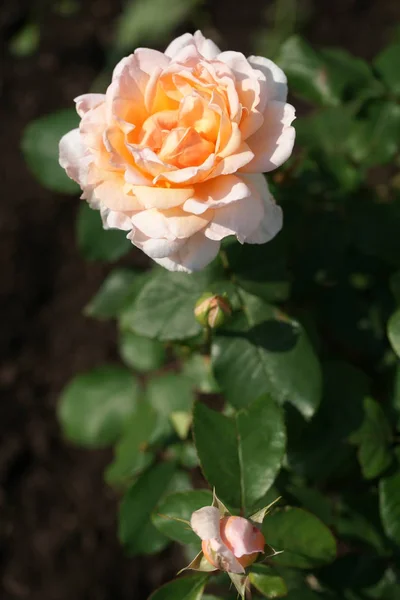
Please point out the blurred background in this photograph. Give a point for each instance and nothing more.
(57, 517)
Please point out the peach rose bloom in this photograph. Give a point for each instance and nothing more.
(173, 152)
(229, 544)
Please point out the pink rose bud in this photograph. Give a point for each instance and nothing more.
(229, 544)
(212, 311)
(173, 153)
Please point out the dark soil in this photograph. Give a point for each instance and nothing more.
(57, 517)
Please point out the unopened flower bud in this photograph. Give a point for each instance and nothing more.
(211, 310)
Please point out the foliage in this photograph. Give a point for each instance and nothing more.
(297, 395)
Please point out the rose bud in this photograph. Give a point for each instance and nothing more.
(228, 543)
(212, 311)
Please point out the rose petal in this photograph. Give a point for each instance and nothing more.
(87, 102)
(222, 557)
(242, 537)
(111, 193)
(272, 221)
(216, 193)
(273, 143)
(205, 522)
(239, 218)
(155, 248)
(113, 219)
(276, 80)
(170, 224)
(74, 157)
(158, 197)
(177, 44)
(196, 254)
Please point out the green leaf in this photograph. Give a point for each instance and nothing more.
(97, 243)
(320, 449)
(375, 139)
(387, 63)
(373, 440)
(164, 308)
(148, 21)
(115, 291)
(306, 72)
(264, 351)
(26, 41)
(260, 269)
(131, 454)
(267, 581)
(349, 75)
(141, 353)
(389, 504)
(185, 588)
(180, 506)
(198, 368)
(148, 541)
(306, 542)
(140, 500)
(94, 406)
(240, 456)
(170, 393)
(393, 331)
(40, 149)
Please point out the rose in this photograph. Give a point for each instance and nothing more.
(173, 152)
(228, 543)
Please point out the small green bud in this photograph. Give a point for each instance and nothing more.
(211, 310)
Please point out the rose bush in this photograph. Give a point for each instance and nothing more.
(173, 152)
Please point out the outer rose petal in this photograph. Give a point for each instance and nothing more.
(196, 254)
(216, 193)
(157, 197)
(221, 557)
(240, 218)
(276, 81)
(169, 224)
(205, 46)
(155, 248)
(74, 157)
(273, 143)
(87, 102)
(272, 221)
(205, 522)
(115, 220)
(241, 536)
(111, 194)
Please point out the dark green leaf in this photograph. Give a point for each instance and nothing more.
(264, 351)
(261, 269)
(164, 308)
(240, 456)
(185, 588)
(267, 581)
(26, 41)
(40, 148)
(306, 72)
(180, 506)
(198, 368)
(141, 353)
(375, 140)
(387, 64)
(320, 450)
(394, 331)
(140, 500)
(306, 542)
(148, 540)
(389, 500)
(373, 440)
(97, 243)
(148, 21)
(116, 289)
(95, 405)
(131, 454)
